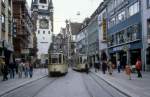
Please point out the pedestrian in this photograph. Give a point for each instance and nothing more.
(118, 65)
(30, 70)
(12, 70)
(138, 66)
(16, 66)
(20, 69)
(86, 68)
(97, 67)
(4, 70)
(104, 67)
(128, 71)
(26, 69)
(110, 70)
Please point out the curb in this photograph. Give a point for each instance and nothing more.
(21, 85)
(115, 87)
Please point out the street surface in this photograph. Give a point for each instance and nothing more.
(74, 84)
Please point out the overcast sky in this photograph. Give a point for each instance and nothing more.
(67, 9)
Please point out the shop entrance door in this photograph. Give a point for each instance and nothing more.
(134, 55)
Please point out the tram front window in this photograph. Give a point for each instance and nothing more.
(55, 60)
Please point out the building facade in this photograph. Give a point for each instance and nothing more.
(6, 35)
(22, 29)
(72, 28)
(145, 5)
(102, 25)
(93, 38)
(124, 31)
(44, 24)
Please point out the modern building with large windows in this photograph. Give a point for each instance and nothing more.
(146, 33)
(124, 30)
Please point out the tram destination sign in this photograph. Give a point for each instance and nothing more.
(54, 55)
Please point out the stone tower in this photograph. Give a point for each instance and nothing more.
(44, 24)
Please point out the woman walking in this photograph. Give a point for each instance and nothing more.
(138, 66)
(128, 71)
(110, 70)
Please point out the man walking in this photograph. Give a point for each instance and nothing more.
(30, 70)
(12, 70)
(4, 71)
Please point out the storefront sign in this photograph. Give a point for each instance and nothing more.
(104, 26)
(118, 48)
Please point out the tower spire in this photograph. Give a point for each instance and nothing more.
(50, 4)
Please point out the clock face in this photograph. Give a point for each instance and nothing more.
(44, 24)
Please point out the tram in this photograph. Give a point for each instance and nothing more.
(81, 62)
(57, 64)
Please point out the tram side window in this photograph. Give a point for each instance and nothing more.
(81, 60)
(84, 61)
(59, 58)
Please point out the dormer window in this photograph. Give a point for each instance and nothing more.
(43, 1)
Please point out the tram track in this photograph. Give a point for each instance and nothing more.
(99, 84)
(42, 88)
(106, 87)
(28, 89)
(87, 88)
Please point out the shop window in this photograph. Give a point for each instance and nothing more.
(121, 37)
(133, 9)
(136, 31)
(112, 40)
(129, 33)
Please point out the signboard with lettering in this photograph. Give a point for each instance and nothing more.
(104, 27)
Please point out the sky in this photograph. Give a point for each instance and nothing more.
(68, 9)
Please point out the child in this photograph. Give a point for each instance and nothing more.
(128, 71)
